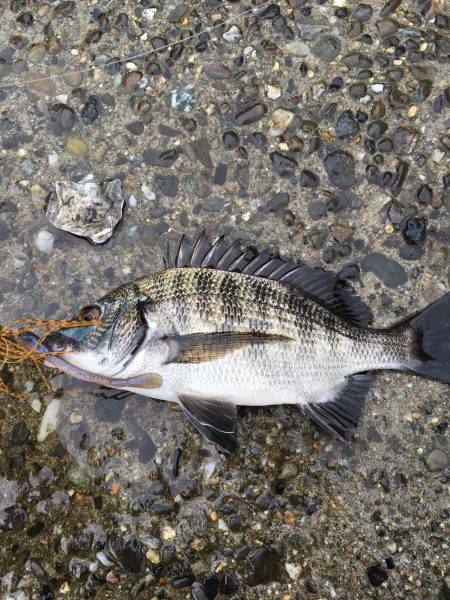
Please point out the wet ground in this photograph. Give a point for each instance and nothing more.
(317, 128)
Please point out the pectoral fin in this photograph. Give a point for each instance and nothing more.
(214, 418)
(200, 347)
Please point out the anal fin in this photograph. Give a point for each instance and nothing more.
(340, 416)
(214, 418)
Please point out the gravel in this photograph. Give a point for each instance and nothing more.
(317, 130)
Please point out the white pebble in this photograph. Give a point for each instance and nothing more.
(168, 533)
(63, 98)
(49, 420)
(222, 525)
(148, 193)
(36, 405)
(53, 159)
(126, 270)
(232, 34)
(132, 200)
(44, 241)
(29, 385)
(293, 570)
(149, 13)
(377, 87)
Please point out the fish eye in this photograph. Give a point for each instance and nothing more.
(89, 313)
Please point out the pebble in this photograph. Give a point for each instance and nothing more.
(49, 421)
(284, 165)
(232, 34)
(184, 98)
(390, 272)
(280, 121)
(273, 92)
(437, 460)
(414, 231)
(293, 570)
(251, 113)
(19, 433)
(340, 168)
(377, 575)
(327, 48)
(44, 241)
(264, 566)
(76, 146)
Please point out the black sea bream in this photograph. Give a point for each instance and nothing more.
(223, 326)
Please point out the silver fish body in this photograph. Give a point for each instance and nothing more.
(307, 356)
(224, 326)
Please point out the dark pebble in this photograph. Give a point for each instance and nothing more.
(377, 575)
(362, 13)
(411, 252)
(284, 165)
(131, 555)
(404, 140)
(211, 586)
(136, 127)
(376, 129)
(235, 522)
(317, 209)
(230, 140)
(264, 566)
(390, 272)
(220, 175)
(279, 201)
(357, 90)
(91, 109)
(270, 13)
(20, 433)
(229, 583)
(250, 114)
(327, 48)
(308, 179)
(156, 158)
(62, 118)
(424, 194)
(4, 232)
(197, 591)
(346, 125)
(167, 185)
(35, 529)
(414, 231)
(340, 168)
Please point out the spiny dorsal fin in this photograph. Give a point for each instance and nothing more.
(340, 416)
(238, 258)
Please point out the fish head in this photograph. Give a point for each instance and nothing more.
(102, 351)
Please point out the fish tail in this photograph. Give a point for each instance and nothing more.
(429, 335)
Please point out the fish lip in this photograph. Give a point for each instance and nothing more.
(30, 339)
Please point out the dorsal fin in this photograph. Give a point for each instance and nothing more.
(238, 258)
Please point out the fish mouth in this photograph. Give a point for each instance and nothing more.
(58, 342)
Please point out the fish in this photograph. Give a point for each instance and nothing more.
(223, 325)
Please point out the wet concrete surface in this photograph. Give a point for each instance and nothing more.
(318, 129)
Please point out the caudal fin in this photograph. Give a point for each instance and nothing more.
(431, 329)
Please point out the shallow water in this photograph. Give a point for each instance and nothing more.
(121, 496)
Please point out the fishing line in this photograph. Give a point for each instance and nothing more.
(119, 61)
